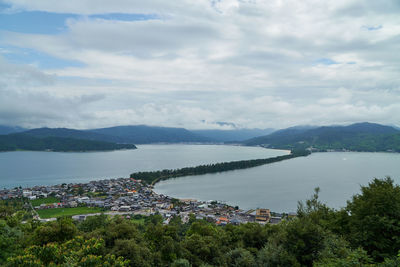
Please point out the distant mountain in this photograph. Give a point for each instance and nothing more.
(72, 133)
(357, 137)
(20, 141)
(232, 135)
(139, 134)
(10, 129)
(143, 134)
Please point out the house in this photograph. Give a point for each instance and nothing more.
(26, 193)
(83, 199)
(263, 215)
(124, 208)
(222, 221)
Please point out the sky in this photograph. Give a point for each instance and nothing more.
(254, 64)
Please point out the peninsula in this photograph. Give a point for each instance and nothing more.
(152, 177)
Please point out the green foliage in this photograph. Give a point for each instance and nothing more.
(76, 252)
(181, 263)
(10, 207)
(92, 223)
(373, 219)
(240, 257)
(136, 252)
(354, 258)
(58, 231)
(274, 254)
(10, 240)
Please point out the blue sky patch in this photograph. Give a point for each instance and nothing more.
(35, 22)
(125, 17)
(325, 61)
(38, 22)
(372, 28)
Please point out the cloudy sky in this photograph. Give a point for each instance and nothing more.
(192, 63)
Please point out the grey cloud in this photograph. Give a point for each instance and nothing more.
(139, 37)
(362, 8)
(10, 74)
(250, 63)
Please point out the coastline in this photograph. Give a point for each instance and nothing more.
(134, 187)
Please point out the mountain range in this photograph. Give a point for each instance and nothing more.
(143, 134)
(356, 137)
(22, 141)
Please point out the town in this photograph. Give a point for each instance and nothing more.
(129, 197)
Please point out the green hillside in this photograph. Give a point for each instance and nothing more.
(13, 142)
(356, 137)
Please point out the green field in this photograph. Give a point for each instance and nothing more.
(138, 221)
(54, 213)
(46, 200)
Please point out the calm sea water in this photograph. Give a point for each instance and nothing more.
(280, 185)
(46, 168)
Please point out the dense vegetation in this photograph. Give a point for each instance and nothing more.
(153, 177)
(357, 137)
(71, 133)
(21, 141)
(364, 233)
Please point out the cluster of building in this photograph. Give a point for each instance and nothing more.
(129, 197)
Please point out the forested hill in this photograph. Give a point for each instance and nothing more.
(20, 141)
(72, 133)
(356, 137)
(138, 134)
(143, 134)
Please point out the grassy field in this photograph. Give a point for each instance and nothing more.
(46, 200)
(54, 213)
(138, 221)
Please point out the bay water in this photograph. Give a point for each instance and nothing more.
(29, 168)
(279, 186)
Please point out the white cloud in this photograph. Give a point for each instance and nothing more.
(254, 63)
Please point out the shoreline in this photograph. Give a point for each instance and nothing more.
(32, 192)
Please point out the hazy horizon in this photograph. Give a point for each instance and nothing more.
(215, 128)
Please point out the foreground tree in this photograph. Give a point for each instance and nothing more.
(76, 252)
(373, 219)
